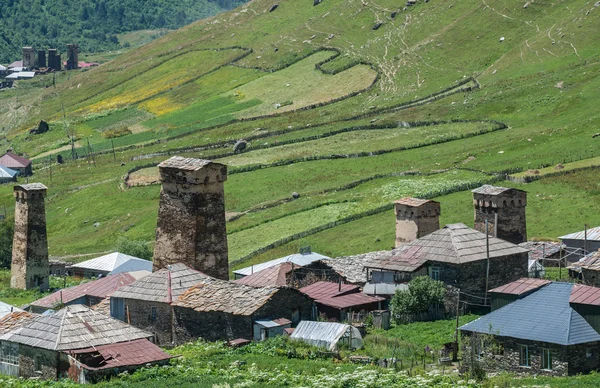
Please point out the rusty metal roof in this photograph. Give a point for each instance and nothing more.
(587, 295)
(455, 244)
(221, 295)
(521, 286)
(321, 290)
(272, 276)
(593, 234)
(539, 250)
(100, 288)
(11, 160)
(138, 352)
(349, 300)
(413, 202)
(590, 261)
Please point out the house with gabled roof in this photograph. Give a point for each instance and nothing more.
(17, 163)
(541, 333)
(456, 255)
(112, 263)
(78, 343)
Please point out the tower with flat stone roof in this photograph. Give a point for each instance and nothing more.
(504, 208)
(191, 216)
(415, 218)
(30, 267)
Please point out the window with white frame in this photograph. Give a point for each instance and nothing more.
(9, 353)
(546, 359)
(435, 273)
(524, 355)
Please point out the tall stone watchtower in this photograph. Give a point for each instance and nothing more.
(504, 208)
(28, 57)
(415, 218)
(30, 267)
(72, 56)
(191, 216)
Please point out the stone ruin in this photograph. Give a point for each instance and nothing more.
(72, 56)
(415, 218)
(30, 267)
(504, 208)
(191, 216)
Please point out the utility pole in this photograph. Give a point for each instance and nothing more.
(487, 253)
(455, 347)
(585, 227)
(113, 149)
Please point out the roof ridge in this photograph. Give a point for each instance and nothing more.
(60, 328)
(569, 325)
(453, 244)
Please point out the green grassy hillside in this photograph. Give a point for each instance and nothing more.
(442, 97)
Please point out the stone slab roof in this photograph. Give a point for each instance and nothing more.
(539, 250)
(73, 327)
(544, 316)
(33, 186)
(181, 163)
(414, 202)
(493, 190)
(352, 268)
(225, 296)
(164, 285)
(454, 244)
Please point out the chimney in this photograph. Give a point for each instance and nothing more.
(504, 208)
(415, 218)
(191, 216)
(30, 267)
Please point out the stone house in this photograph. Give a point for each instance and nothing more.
(147, 302)
(541, 333)
(302, 259)
(76, 343)
(347, 269)
(456, 255)
(216, 309)
(587, 269)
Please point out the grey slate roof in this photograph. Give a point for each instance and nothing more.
(455, 244)
(73, 327)
(164, 285)
(544, 316)
(353, 267)
(33, 186)
(492, 190)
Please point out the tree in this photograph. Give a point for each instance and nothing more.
(6, 239)
(422, 292)
(137, 248)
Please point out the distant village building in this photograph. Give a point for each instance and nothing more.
(112, 263)
(54, 61)
(579, 244)
(302, 259)
(76, 343)
(30, 267)
(18, 163)
(551, 330)
(504, 210)
(191, 216)
(415, 218)
(41, 59)
(7, 175)
(587, 269)
(547, 253)
(72, 56)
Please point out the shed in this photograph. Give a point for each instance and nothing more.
(113, 263)
(579, 244)
(7, 175)
(328, 335)
(15, 162)
(267, 328)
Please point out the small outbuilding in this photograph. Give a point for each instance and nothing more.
(7, 175)
(267, 328)
(328, 335)
(579, 244)
(298, 259)
(113, 263)
(17, 163)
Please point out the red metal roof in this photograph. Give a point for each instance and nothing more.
(138, 352)
(321, 290)
(272, 276)
(282, 321)
(521, 286)
(100, 288)
(11, 160)
(349, 300)
(588, 295)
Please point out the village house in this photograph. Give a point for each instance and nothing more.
(76, 343)
(7, 175)
(302, 259)
(348, 270)
(89, 294)
(113, 263)
(587, 269)
(335, 301)
(14, 320)
(552, 330)
(218, 309)
(579, 244)
(17, 163)
(547, 253)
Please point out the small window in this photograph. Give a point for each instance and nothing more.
(435, 273)
(37, 365)
(153, 313)
(546, 359)
(9, 353)
(524, 356)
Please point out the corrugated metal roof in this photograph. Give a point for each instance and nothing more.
(593, 234)
(349, 300)
(272, 276)
(590, 261)
(138, 352)
(521, 286)
(587, 295)
(383, 288)
(455, 244)
(325, 334)
(164, 285)
(73, 327)
(113, 261)
(414, 202)
(6, 172)
(320, 290)
(21, 74)
(544, 316)
(100, 288)
(11, 160)
(225, 296)
(298, 259)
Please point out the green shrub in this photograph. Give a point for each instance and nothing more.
(137, 248)
(422, 292)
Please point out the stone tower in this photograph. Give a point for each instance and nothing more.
(28, 57)
(415, 218)
(41, 59)
(504, 208)
(30, 267)
(191, 216)
(72, 56)
(54, 60)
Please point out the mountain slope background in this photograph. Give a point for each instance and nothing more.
(350, 104)
(92, 24)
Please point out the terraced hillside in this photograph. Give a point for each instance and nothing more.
(350, 104)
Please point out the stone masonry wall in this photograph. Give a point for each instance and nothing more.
(509, 208)
(140, 316)
(415, 222)
(49, 362)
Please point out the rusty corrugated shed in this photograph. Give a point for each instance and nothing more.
(320, 290)
(138, 352)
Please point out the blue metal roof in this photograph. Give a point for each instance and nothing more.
(6, 172)
(544, 316)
